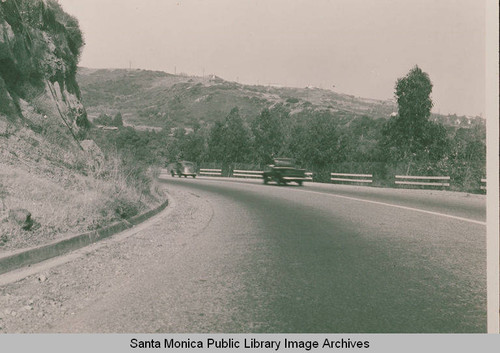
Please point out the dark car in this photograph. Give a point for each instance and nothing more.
(283, 171)
(182, 168)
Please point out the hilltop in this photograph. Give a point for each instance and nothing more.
(151, 97)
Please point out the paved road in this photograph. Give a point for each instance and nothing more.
(350, 259)
(244, 257)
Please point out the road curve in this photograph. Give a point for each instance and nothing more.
(326, 258)
(239, 256)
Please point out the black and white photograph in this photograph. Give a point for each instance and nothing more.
(248, 167)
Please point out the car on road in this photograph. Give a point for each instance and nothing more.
(182, 168)
(283, 171)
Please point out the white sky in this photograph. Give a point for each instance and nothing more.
(360, 46)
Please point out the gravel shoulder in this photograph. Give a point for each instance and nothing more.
(39, 302)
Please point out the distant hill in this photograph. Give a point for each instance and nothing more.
(151, 98)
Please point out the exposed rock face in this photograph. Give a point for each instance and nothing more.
(39, 50)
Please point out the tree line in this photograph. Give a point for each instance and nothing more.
(323, 141)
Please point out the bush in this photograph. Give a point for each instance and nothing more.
(123, 208)
(103, 119)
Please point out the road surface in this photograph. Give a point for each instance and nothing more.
(240, 256)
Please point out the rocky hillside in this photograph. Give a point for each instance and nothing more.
(54, 179)
(39, 49)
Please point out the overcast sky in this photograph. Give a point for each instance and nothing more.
(359, 46)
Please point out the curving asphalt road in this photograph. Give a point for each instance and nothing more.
(237, 256)
(326, 258)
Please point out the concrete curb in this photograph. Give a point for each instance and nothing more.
(40, 253)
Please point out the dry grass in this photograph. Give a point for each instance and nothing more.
(66, 190)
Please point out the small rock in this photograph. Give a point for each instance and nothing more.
(27, 308)
(42, 278)
(22, 217)
(40, 314)
(13, 313)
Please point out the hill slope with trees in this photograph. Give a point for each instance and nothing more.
(233, 130)
(154, 98)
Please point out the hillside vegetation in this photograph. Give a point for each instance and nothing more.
(54, 179)
(152, 98)
(155, 99)
(225, 124)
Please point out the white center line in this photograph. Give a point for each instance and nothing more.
(372, 202)
(397, 206)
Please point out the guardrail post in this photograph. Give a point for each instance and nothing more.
(483, 184)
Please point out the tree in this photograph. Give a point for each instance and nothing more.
(193, 146)
(467, 156)
(359, 138)
(269, 135)
(103, 119)
(321, 141)
(315, 144)
(117, 120)
(229, 140)
(410, 136)
(215, 147)
(413, 98)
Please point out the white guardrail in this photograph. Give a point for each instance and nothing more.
(239, 173)
(353, 178)
(212, 172)
(345, 177)
(424, 180)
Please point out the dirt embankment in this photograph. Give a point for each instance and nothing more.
(52, 298)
